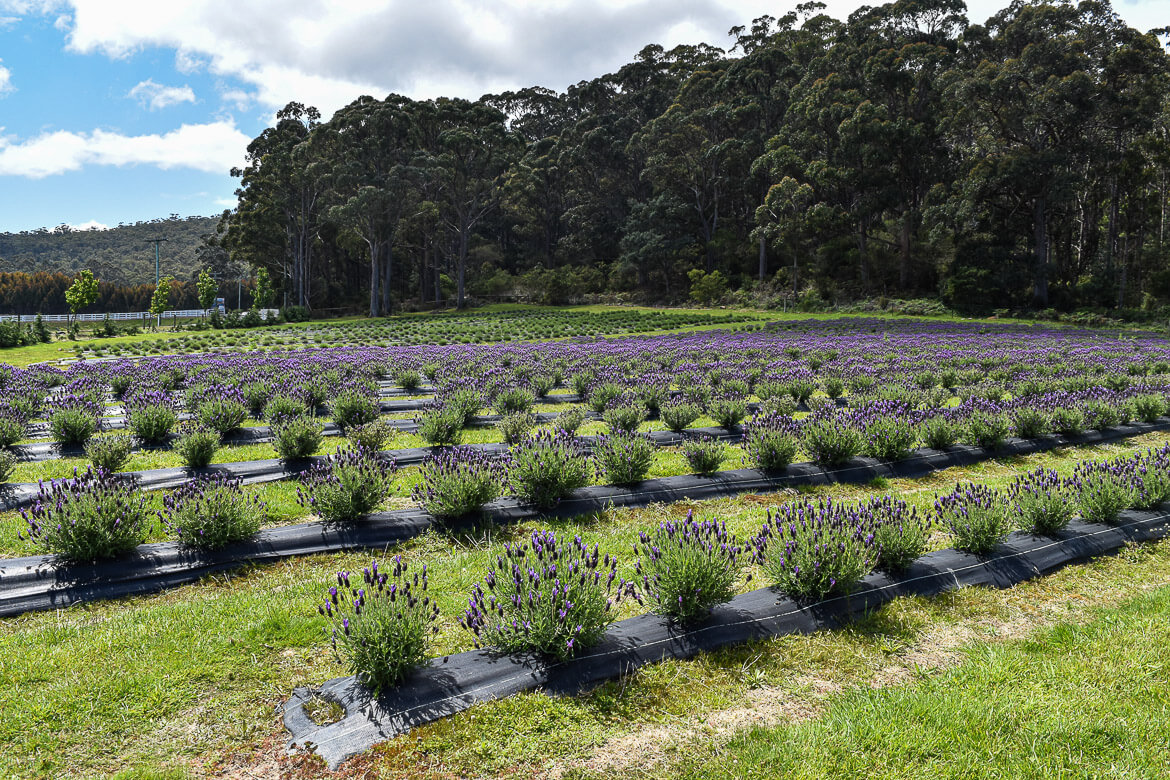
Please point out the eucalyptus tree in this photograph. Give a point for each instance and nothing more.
(278, 213)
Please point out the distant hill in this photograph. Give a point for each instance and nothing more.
(120, 255)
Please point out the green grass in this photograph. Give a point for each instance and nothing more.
(1087, 700)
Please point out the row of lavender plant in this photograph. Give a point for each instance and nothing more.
(555, 597)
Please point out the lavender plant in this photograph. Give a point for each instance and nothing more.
(570, 420)
(678, 415)
(281, 408)
(770, 442)
(7, 465)
(624, 414)
(514, 427)
(687, 568)
(939, 433)
(1041, 501)
(704, 454)
(811, 550)
(831, 441)
(1103, 490)
(352, 408)
(986, 429)
(978, 517)
(728, 410)
(547, 467)
(1029, 422)
(92, 516)
(381, 626)
(222, 415)
(545, 597)
(623, 458)
(1148, 408)
(212, 511)
(197, 445)
(151, 415)
(1068, 421)
(888, 437)
(72, 426)
(110, 451)
(514, 400)
(373, 435)
(1151, 478)
(296, 437)
(459, 481)
(347, 485)
(441, 425)
(900, 533)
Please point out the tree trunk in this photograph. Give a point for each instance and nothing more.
(1040, 239)
(374, 263)
(904, 236)
(461, 268)
(763, 258)
(863, 253)
(388, 251)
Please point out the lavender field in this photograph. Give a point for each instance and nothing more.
(526, 498)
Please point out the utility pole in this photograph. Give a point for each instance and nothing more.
(156, 242)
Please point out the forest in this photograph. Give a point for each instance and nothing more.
(904, 152)
(901, 152)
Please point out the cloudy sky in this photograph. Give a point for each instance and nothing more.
(123, 110)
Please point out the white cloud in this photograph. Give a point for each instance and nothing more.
(327, 52)
(157, 96)
(5, 81)
(214, 147)
(93, 224)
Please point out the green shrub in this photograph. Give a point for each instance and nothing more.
(283, 407)
(704, 454)
(211, 512)
(728, 411)
(93, 516)
(346, 485)
(687, 568)
(547, 467)
(296, 437)
(7, 465)
(109, 452)
(381, 626)
(624, 458)
(1029, 423)
(1103, 491)
(372, 436)
(901, 534)
(458, 481)
(514, 400)
(624, 417)
(197, 446)
(1041, 501)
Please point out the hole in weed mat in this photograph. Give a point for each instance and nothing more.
(323, 711)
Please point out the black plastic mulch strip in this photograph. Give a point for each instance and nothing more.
(38, 582)
(446, 686)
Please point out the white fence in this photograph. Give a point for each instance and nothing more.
(122, 315)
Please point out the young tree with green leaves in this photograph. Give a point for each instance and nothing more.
(82, 293)
(207, 288)
(161, 300)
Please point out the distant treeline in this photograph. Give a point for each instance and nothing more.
(44, 293)
(903, 152)
(120, 255)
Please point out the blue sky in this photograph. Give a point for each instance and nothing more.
(125, 110)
